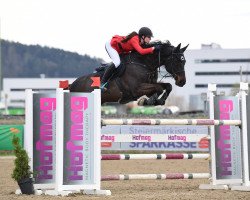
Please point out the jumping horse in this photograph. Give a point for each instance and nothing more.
(137, 76)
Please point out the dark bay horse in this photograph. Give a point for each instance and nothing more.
(139, 77)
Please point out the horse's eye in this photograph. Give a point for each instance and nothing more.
(182, 58)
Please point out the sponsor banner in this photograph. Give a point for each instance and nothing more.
(227, 139)
(44, 127)
(202, 145)
(152, 137)
(78, 140)
(64, 125)
(174, 131)
(108, 145)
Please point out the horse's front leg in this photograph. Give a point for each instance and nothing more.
(153, 91)
(168, 88)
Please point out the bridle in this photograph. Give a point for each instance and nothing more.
(174, 74)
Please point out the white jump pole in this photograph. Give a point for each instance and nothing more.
(204, 122)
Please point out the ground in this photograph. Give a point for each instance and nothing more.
(134, 189)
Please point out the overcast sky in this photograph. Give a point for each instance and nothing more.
(83, 26)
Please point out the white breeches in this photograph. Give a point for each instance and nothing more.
(113, 54)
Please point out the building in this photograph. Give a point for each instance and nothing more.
(210, 64)
(14, 88)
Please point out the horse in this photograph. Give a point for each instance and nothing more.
(138, 76)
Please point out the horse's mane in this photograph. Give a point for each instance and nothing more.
(157, 42)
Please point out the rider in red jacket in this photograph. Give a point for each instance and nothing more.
(125, 44)
(132, 44)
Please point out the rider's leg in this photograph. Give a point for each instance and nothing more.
(107, 74)
(113, 54)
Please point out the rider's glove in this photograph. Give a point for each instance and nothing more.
(157, 47)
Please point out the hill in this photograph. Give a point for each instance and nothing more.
(19, 60)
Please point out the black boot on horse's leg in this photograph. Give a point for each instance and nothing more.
(168, 89)
(151, 101)
(162, 100)
(107, 74)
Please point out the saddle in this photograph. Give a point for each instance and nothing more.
(118, 72)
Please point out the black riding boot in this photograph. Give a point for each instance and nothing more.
(107, 74)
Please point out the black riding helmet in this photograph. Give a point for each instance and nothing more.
(145, 31)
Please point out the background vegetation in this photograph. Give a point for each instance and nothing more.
(30, 61)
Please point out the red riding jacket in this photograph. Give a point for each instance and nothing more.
(132, 44)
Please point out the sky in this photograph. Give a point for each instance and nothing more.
(84, 26)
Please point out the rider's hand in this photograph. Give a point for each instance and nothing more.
(157, 47)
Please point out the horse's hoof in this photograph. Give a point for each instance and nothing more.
(141, 101)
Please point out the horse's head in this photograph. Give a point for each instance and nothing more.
(174, 61)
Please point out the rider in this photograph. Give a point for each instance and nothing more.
(125, 44)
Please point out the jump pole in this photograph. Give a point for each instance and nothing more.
(156, 176)
(154, 156)
(205, 122)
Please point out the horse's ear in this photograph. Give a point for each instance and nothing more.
(177, 49)
(184, 48)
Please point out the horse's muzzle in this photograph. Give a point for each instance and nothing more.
(180, 80)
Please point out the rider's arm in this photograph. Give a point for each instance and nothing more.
(135, 43)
